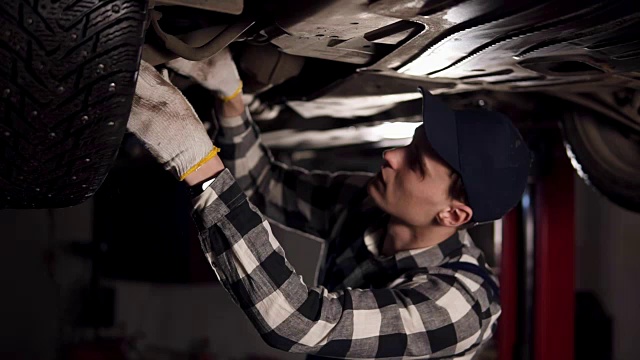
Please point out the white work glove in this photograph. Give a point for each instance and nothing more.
(217, 73)
(163, 119)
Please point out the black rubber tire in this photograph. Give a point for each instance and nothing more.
(67, 77)
(605, 155)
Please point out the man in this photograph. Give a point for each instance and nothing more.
(399, 280)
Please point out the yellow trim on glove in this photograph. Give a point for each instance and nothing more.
(195, 167)
(234, 95)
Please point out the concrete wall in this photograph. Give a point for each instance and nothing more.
(176, 316)
(38, 301)
(608, 262)
(37, 278)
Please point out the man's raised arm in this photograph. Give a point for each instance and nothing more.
(309, 201)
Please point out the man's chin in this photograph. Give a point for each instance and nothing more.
(374, 193)
(371, 187)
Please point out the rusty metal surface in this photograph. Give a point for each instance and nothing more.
(524, 46)
(581, 51)
(475, 44)
(557, 47)
(406, 9)
(333, 30)
(225, 6)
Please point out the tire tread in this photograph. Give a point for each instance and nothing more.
(59, 59)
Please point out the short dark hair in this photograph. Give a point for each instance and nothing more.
(458, 192)
(456, 188)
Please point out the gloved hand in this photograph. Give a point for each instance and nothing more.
(217, 73)
(163, 119)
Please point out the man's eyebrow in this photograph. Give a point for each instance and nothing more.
(421, 152)
(430, 153)
(423, 159)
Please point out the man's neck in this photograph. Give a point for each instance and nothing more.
(401, 236)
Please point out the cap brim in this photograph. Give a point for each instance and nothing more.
(441, 128)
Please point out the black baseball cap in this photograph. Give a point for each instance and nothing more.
(485, 148)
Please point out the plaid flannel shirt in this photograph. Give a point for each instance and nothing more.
(409, 305)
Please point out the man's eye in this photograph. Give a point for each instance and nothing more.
(416, 160)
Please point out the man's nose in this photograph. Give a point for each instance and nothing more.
(391, 158)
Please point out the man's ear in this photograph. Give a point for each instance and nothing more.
(455, 215)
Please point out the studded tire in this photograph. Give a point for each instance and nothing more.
(67, 77)
(606, 156)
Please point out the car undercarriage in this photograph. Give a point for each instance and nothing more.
(68, 72)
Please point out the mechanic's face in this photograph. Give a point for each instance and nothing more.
(413, 183)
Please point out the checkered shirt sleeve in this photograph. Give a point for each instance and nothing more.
(431, 315)
(309, 201)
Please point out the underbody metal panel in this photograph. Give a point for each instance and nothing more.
(475, 44)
